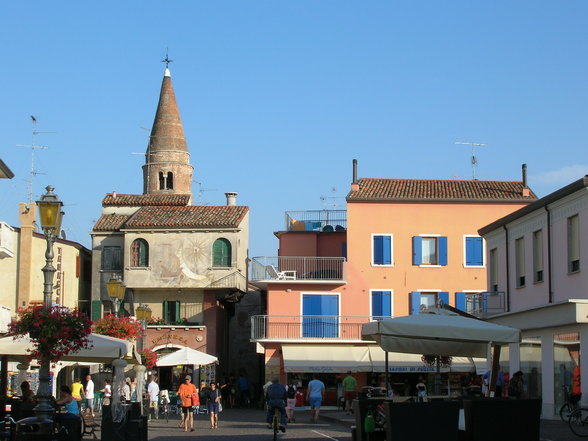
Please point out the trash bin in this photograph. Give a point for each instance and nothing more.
(361, 407)
(73, 427)
(34, 429)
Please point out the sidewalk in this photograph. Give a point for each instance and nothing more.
(551, 430)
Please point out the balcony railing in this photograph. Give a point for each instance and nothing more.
(316, 220)
(289, 327)
(289, 268)
(484, 304)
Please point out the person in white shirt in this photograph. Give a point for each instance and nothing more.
(153, 392)
(89, 394)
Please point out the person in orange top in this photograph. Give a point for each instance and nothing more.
(187, 392)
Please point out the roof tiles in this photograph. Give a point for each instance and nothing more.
(140, 200)
(372, 189)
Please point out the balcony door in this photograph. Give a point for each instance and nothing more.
(320, 315)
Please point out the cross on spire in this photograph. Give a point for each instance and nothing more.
(166, 60)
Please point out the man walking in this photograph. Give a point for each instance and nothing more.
(153, 393)
(314, 395)
(349, 386)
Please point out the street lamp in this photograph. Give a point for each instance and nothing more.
(50, 215)
(143, 315)
(116, 292)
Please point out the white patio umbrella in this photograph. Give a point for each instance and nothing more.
(186, 356)
(103, 349)
(439, 332)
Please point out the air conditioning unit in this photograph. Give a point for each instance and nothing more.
(7, 239)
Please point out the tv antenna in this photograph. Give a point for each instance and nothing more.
(33, 146)
(474, 159)
(201, 191)
(331, 201)
(147, 154)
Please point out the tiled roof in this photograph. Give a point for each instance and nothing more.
(110, 222)
(371, 189)
(140, 200)
(188, 217)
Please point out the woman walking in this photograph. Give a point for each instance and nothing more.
(213, 405)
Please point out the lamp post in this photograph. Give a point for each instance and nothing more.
(143, 315)
(50, 215)
(116, 292)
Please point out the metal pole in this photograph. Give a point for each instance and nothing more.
(44, 408)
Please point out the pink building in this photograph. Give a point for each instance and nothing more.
(400, 246)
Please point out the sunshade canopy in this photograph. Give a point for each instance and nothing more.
(438, 332)
(103, 349)
(186, 356)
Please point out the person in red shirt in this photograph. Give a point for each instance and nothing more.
(186, 393)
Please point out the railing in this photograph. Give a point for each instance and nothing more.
(316, 220)
(284, 327)
(484, 304)
(297, 268)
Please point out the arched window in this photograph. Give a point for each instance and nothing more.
(221, 253)
(169, 184)
(139, 253)
(161, 181)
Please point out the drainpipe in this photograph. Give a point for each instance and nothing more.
(549, 284)
(507, 271)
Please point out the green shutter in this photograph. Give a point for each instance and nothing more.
(96, 309)
(165, 311)
(177, 315)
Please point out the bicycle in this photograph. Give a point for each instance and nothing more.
(7, 428)
(276, 423)
(570, 404)
(578, 422)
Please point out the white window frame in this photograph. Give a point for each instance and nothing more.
(434, 265)
(465, 260)
(314, 293)
(378, 265)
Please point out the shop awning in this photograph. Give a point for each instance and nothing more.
(369, 358)
(326, 358)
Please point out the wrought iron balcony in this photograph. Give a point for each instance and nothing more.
(311, 327)
(485, 304)
(316, 220)
(297, 269)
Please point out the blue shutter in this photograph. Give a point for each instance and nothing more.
(442, 250)
(444, 297)
(415, 302)
(386, 304)
(485, 302)
(474, 250)
(330, 306)
(417, 250)
(311, 305)
(387, 247)
(378, 250)
(460, 301)
(377, 304)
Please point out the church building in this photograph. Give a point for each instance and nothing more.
(187, 263)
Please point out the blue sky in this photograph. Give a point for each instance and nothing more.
(278, 97)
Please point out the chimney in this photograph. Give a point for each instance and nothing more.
(231, 199)
(114, 195)
(526, 190)
(354, 184)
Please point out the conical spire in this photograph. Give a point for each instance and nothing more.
(167, 168)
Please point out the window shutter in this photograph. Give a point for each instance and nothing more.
(444, 297)
(165, 311)
(177, 311)
(377, 304)
(485, 302)
(96, 309)
(474, 250)
(386, 250)
(443, 250)
(417, 250)
(386, 304)
(415, 302)
(378, 250)
(460, 301)
(344, 249)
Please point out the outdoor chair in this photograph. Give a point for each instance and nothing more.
(280, 275)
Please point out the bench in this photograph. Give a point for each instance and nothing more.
(89, 424)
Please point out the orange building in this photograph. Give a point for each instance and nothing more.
(401, 245)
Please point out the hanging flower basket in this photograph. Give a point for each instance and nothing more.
(431, 360)
(126, 328)
(148, 358)
(55, 332)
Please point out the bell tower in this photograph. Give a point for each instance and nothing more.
(167, 168)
